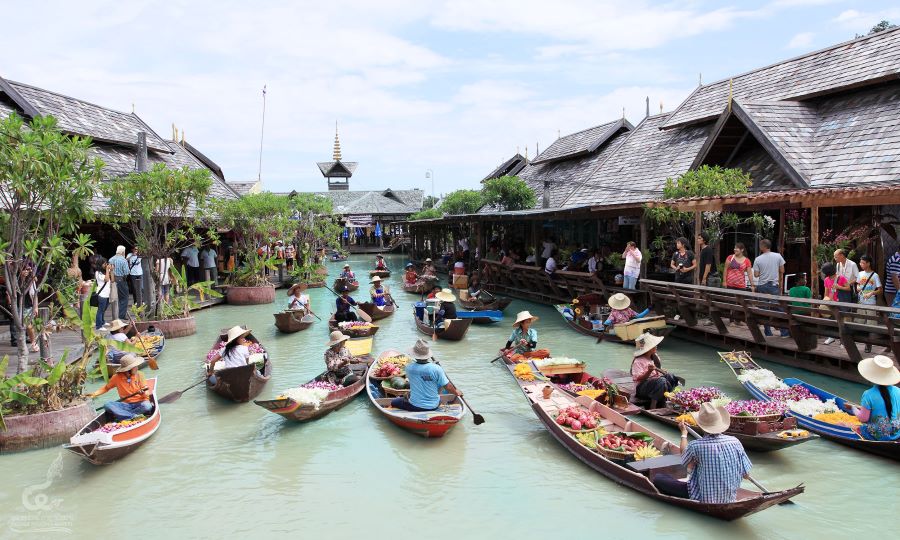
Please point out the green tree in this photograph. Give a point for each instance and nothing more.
(47, 181)
(430, 213)
(462, 201)
(315, 226)
(161, 211)
(429, 201)
(508, 193)
(880, 27)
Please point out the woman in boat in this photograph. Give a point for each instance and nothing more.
(235, 354)
(651, 381)
(446, 309)
(428, 269)
(716, 462)
(132, 388)
(379, 262)
(410, 277)
(426, 382)
(523, 340)
(432, 294)
(348, 274)
(118, 334)
(621, 312)
(338, 360)
(879, 409)
(474, 286)
(343, 304)
(378, 292)
(299, 299)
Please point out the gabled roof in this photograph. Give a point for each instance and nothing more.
(581, 143)
(210, 164)
(389, 201)
(337, 168)
(243, 188)
(510, 167)
(860, 62)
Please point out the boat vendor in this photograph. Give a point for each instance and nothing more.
(474, 286)
(523, 340)
(299, 299)
(651, 381)
(879, 409)
(428, 268)
(378, 292)
(379, 262)
(343, 303)
(426, 382)
(235, 354)
(338, 360)
(132, 388)
(716, 462)
(621, 312)
(446, 309)
(117, 333)
(347, 274)
(410, 277)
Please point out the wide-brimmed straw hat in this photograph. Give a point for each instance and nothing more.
(129, 362)
(428, 259)
(524, 316)
(337, 337)
(376, 279)
(296, 286)
(646, 343)
(879, 370)
(235, 332)
(619, 301)
(446, 295)
(117, 325)
(712, 419)
(420, 351)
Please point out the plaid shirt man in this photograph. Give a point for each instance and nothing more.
(120, 266)
(719, 464)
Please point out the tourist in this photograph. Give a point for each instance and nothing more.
(135, 276)
(379, 262)
(378, 292)
(103, 279)
(530, 259)
(347, 274)
(868, 289)
(892, 277)
(235, 354)
(550, 263)
(427, 381)
(548, 246)
(446, 309)
(428, 269)
(739, 270)
(768, 269)
(464, 247)
(837, 288)
(577, 259)
(343, 304)
(299, 299)
(595, 263)
(509, 258)
(117, 333)
(847, 268)
(129, 382)
(279, 250)
(120, 272)
(290, 253)
(709, 270)
(879, 408)
(633, 257)
(338, 360)
(800, 290)
(190, 258)
(621, 312)
(164, 271)
(683, 262)
(651, 381)
(208, 264)
(410, 277)
(432, 294)
(716, 462)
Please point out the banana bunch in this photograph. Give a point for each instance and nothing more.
(646, 452)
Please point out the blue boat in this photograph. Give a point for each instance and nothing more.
(741, 361)
(481, 317)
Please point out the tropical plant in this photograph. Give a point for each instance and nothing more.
(47, 182)
(315, 227)
(256, 220)
(795, 223)
(430, 213)
(252, 270)
(508, 193)
(615, 260)
(462, 201)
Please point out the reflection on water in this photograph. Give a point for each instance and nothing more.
(216, 466)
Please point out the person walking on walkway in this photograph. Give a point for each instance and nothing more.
(769, 271)
(135, 276)
(739, 270)
(190, 258)
(102, 278)
(892, 277)
(683, 262)
(121, 271)
(848, 269)
(709, 270)
(868, 290)
(632, 258)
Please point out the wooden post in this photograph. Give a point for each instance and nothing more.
(698, 226)
(42, 337)
(813, 243)
(536, 242)
(781, 245)
(643, 244)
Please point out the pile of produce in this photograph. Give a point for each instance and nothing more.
(578, 418)
(793, 434)
(397, 383)
(557, 361)
(626, 442)
(840, 418)
(574, 387)
(306, 396)
(323, 385)
(763, 379)
(355, 325)
(391, 367)
(793, 393)
(592, 393)
(691, 399)
(145, 342)
(646, 452)
(755, 408)
(523, 372)
(813, 406)
(109, 427)
(255, 348)
(687, 418)
(589, 440)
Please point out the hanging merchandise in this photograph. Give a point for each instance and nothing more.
(359, 232)
(378, 230)
(346, 232)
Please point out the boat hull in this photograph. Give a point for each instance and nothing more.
(289, 322)
(455, 332)
(340, 282)
(377, 313)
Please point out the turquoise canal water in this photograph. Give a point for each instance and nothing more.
(218, 469)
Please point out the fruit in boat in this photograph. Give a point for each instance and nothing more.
(400, 383)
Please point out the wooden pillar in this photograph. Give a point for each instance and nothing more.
(536, 241)
(813, 243)
(644, 233)
(781, 232)
(43, 337)
(698, 226)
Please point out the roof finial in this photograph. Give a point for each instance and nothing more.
(623, 113)
(730, 93)
(182, 137)
(517, 148)
(174, 132)
(660, 106)
(537, 149)
(526, 152)
(557, 133)
(132, 107)
(337, 144)
(700, 79)
(648, 107)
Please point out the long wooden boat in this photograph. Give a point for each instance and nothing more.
(638, 475)
(301, 412)
(243, 383)
(741, 361)
(377, 313)
(380, 273)
(101, 448)
(419, 287)
(497, 304)
(335, 257)
(428, 424)
(367, 332)
(481, 316)
(293, 321)
(622, 333)
(455, 331)
(340, 282)
(315, 284)
(155, 348)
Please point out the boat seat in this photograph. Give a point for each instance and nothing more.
(669, 464)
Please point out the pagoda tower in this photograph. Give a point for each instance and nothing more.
(336, 171)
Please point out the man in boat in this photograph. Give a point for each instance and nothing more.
(379, 262)
(132, 388)
(426, 382)
(338, 360)
(651, 381)
(343, 304)
(235, 354)
(378, 292)
(474, 286)
(621, 312)
(523, 340)
(118, 333)
(428, 268)
(716, 462)
(879, 409)
(410, 277)
(445, 310)
(348, 274)
(299, 299)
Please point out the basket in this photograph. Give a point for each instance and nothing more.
(614, 454)
(374, 378)
(573, 431)
(394, 392)
(762, 428)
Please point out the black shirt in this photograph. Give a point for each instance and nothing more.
(685, 261)
(449, 309)
(707, 257)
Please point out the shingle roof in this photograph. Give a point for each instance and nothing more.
(400, 201)
(327, 166)
(510, 167)
(580, 143)
(855, 63)
(242, 188)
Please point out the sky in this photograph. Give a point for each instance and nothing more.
(451, 87)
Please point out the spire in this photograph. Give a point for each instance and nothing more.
(337, 144)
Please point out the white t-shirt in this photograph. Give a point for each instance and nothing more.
(459, 264)
(464, 244)
(548, 249)
(118, 336)
(190, 253)
(164, 266)
(849, 270)
(295, 302)
(100, 278)
(134, 265)
(550, 267)
(236, 358)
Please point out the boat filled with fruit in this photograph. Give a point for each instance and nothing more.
(243, 383)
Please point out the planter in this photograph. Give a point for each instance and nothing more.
(248, 296)
(43, 430)
(171, 328)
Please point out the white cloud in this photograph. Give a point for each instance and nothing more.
(860, 22)
(801, 40)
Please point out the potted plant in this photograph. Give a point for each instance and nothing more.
(174, 318)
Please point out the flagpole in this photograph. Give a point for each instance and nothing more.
(261, 134)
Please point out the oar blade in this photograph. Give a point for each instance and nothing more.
(169, 398)
(478, 419)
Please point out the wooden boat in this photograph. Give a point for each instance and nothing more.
(340, 282)
(455, 331)
(377, 313)
(419, 287)
(243, 383)
(622, 333)
(335, 257)
(291, 410)
(315, 284)
(638, 475)
(155, 348)
(740, 361)
(482, 316)
(428, 424)
(367, 332)
(497, 304)
(380, 273)
(583, 327)
(101, 448)
(291, 321)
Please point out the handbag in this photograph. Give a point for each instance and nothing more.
(95, 297)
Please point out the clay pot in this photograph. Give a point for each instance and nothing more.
(248, 296)
(43, 430)
(547, 391)
(171, 328)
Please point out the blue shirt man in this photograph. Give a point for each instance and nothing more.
(426, 380)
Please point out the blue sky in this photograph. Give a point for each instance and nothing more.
(456, 87)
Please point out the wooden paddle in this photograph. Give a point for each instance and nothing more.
(362, 314)
(477, 418)
(169, 398)
(151, 361)
(144, 389)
